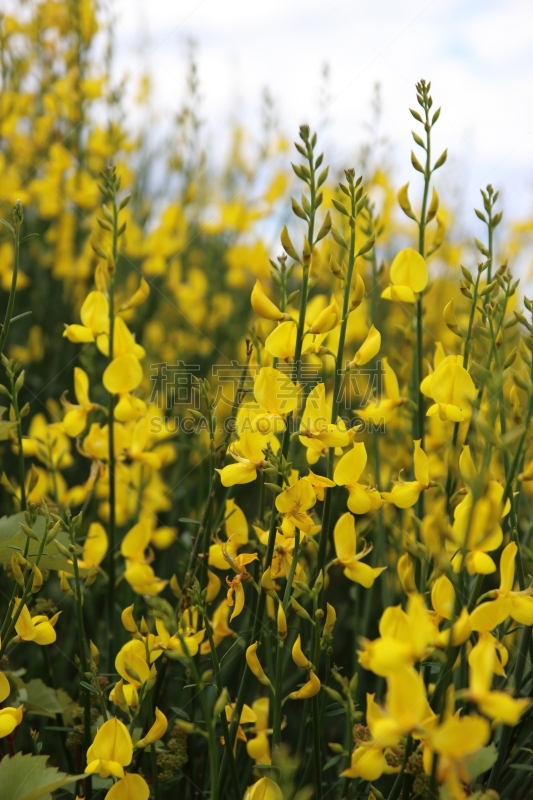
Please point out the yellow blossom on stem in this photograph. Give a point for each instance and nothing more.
(75, 419)
(38, 629)
(130, 787)
(263, 306)
(368, 350)
(10, 717)
(111, 750)
(157, 730)
(361, 498)
(249, 452)
(497, 705)
(308, 690)
(405, 494)
(346, 548)
(507, 603)
(295, 502)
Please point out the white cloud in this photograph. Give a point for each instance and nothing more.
(477, 55)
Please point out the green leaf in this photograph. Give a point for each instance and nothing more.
(481, 761)
(331, 763)
(11, 536)
(41, 699)
(6, 223)
(26, 777)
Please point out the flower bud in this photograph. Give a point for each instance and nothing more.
(254, 665)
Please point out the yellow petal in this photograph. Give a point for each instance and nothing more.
(156, 732)
(95, 312)
(263, 306)
(281, 343)
(443, 597)
(5, 688)
(369, 349)
(95, 547)
(409, 269)
(123, 374)
(349, 469)
(421, 465)
(130, 787)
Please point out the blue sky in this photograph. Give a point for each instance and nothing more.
(478, 54)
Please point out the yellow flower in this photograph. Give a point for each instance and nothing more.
(281, 343)
(263, 306)
(111, 750)
(406, 711)
(10, 717)
(298, 655)
(319, 483)
(130, 787)
(263, 789)
(237, 532)
(368, 762)
(443, 597)
(309, 689)
(249, 454)
(346, 548)
(95, 319)
(138, 572)
(496, 705)
(183, 644)
(455, 740)
(361, 498)
(235, 597)
(477, 529)
(156, 732)
(408, 274)
(381, 410)
(518, 605)
(248, 716)
(94, 547)
(452, 390)
(294, 503)
(138, 448)
(76, 417)
(123, 374)
(125, 696)
(368, 350)
(48, 443)
(405, 494)
(219, 625)
(255, 665)
(131, 663)
(275, 392)
(327, 319)
(38, 629)
(405, 638)
(258, 747)
(316, 428)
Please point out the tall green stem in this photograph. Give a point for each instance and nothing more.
(18, 217)
(261, 603)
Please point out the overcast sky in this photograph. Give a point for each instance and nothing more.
(477, 53)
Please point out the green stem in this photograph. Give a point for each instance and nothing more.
(112, 458)
(13, 289)
(261, 603)
(508, 730)
(214, 781)
(225, 726)
(18, 419)
(328, 498)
